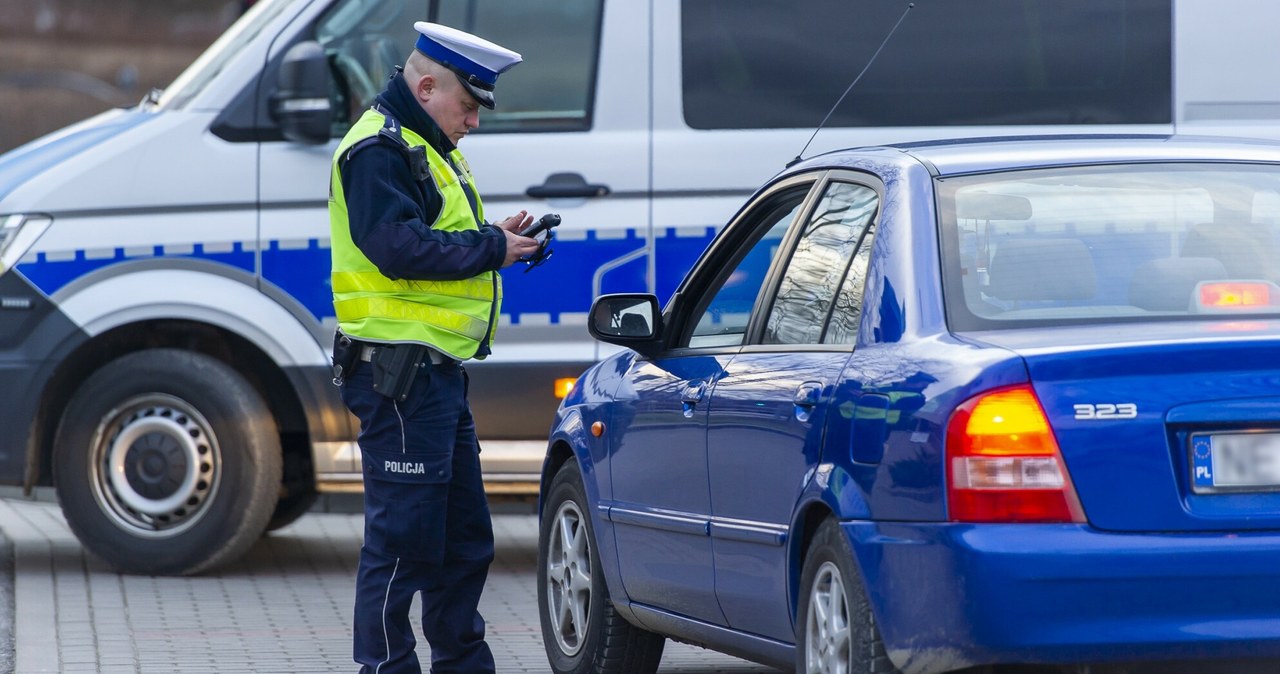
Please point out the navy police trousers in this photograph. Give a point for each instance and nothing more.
(426, 525)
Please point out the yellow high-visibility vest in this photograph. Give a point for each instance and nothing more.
(455, 317)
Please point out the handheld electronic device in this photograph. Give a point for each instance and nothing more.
(544, 224)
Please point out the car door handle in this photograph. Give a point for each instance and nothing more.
(693, 393)
(808, 394)
(567, 186)
(691, 396)
(806, 398)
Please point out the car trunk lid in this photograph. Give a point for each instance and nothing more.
(1163, 427)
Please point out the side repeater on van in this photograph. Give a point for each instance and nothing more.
(939, 405)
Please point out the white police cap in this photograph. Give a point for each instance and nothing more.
(476, 61)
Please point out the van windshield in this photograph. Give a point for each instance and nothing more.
(1111, 243)
(205, 68)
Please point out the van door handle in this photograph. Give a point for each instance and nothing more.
(566, 186)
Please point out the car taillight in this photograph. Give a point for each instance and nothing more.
(1003, 463)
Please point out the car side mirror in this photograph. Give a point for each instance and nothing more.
(630, 320)
(300, 103)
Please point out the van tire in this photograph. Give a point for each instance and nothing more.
(297, 491)
(599, 640)
(167, 462)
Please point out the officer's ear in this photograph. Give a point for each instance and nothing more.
(425, 88)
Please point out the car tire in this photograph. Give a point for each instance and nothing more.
(835, 630)
(581, 630)
(167, 462)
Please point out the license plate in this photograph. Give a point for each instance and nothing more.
(1235, 462)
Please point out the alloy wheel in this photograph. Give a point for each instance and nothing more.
(827, 641)
(569, 577)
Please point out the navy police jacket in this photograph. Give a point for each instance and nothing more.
(391, 213)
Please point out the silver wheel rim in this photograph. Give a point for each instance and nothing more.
(154, 465)
(569, 578)
(826, 640)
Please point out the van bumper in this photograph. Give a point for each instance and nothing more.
(511, 468)
(34, 336)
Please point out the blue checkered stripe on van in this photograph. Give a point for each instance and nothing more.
(558, 291)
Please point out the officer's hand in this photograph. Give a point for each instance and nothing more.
(517, 246)
(517, 222)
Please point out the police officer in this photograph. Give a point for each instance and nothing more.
(416, 291)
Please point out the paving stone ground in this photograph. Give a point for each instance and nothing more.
(285, 607)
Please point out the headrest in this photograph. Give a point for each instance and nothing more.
(1242, 249)
(1167, 284)
(476, 61)
(1042, 270)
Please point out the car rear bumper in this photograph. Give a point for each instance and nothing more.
(949, 595)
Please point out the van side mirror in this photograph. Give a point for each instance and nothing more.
(300, 103)
(630, 320)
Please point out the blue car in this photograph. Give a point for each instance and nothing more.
(934, 406)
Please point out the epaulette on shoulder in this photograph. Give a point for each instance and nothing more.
(390, 133)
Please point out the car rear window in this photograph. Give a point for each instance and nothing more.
(1110, 243)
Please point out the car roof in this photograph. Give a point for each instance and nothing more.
(956, 156)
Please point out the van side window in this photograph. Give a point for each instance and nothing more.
(364, 40)
(752, 64)
(554, 88)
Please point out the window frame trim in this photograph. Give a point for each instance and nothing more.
(711, 267)
(759, 321)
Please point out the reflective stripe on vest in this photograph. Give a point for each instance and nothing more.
(455, 317)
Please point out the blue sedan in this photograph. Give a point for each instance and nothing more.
(939, 405)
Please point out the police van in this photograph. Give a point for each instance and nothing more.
(165, 308)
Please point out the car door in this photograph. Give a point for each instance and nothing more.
(769, 406)
(658, 464)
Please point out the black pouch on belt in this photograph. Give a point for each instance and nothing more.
(395, 366)
(346, 353)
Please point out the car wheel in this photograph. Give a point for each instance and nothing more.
(167, 462)
(836, 633)
(581, 630)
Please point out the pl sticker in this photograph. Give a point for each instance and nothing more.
(1202, 462)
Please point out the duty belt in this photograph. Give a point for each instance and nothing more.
(437, 358)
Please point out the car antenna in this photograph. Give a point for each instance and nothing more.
(840, 100)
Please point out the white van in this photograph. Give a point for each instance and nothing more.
(164, 269)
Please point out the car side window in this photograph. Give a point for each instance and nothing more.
(726, 308)
(821, 289)
(553, 89)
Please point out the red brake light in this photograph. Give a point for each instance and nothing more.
(1234, 294)
(1003, 463)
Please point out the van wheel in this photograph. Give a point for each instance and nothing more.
(581, 631)
(290, 509)
(167, 462)
(836, 632)
(297, 491)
